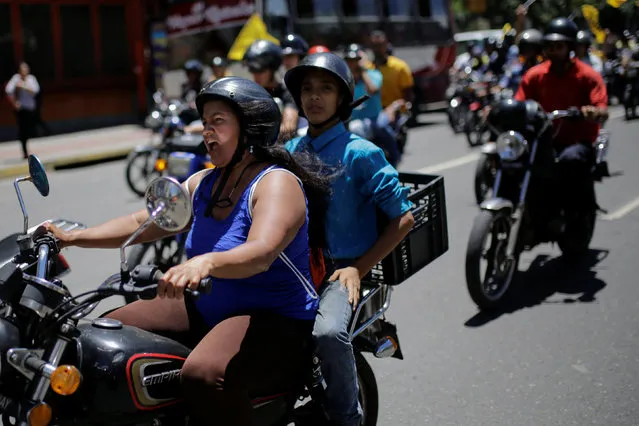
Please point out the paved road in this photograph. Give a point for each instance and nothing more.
(565, 352)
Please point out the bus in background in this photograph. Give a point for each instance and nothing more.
(420, 31)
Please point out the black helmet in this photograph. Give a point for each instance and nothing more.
(294, 45)
(530, 38)
(561, 29)
(193, 65)
(263, 55)
(584, 37)
(353, 51)
(220, 61)
(257, 111)
(328, 62)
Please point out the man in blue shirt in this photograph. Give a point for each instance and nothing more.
(322, 86)
(368, 119)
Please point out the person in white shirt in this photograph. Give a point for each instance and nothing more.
(21, 91)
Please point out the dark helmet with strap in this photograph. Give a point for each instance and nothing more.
(584, 37)
(193, 65)
(220, 61)
(257, 112)
(561, 29)
(353, 51)
(263, 55)
(258, 115)
(294, 45)
(531, 38)
(335, 66)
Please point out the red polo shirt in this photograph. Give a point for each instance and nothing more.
(579, 86)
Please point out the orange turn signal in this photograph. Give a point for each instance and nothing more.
(40, 415)
(65, 380)
(160, 164)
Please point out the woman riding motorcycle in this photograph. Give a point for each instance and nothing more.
(322, 86)
(250, 231)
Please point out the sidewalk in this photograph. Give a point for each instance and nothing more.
(73, 148)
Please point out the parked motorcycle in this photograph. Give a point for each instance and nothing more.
(57, 370)
(631, 90)
(168, 120)
(516, 219)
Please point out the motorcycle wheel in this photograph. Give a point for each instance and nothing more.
(165, 254)
(368, 392)
(142, 163)
(484, 178)
(488, 291)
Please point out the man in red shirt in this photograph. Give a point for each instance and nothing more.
(560, 83)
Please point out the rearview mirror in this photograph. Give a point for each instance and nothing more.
(38, 176)
(168, 198)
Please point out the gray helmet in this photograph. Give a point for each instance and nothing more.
(584, 37)
(257, 112)
(328, 62)
(530, 38)
(263, 55)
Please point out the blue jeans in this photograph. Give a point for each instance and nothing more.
(333, 345)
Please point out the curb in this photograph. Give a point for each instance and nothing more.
(77, 159)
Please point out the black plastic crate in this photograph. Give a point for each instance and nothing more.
(429, 237)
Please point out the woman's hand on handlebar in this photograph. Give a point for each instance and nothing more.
(63, 237)
(187, 275)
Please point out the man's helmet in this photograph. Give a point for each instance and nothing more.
(193, 65)
(294, 45)
(353, 51)
(328, 62)
(263, 55)
(530, 39)
(584, 37)
(318, 49)
(561, 29)
(220, 61)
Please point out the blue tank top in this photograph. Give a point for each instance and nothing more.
(279, 290)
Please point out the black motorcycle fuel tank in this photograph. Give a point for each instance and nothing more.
(126, 372)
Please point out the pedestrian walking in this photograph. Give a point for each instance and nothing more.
(22, 90)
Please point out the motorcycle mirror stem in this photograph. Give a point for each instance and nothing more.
(125, 274)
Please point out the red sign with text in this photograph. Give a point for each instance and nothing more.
(199, 16)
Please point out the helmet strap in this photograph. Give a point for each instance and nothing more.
(237, 157)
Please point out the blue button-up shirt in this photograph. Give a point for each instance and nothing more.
(364, 180)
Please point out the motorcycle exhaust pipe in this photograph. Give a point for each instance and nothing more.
(385, 347)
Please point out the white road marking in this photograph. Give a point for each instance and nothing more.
(622, 211)
(450, 164)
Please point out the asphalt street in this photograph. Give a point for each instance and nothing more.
(565, 351)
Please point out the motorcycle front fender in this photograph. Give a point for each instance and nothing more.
(497, 204)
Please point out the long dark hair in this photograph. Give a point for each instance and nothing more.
(316, 178)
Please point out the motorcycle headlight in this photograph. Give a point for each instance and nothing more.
(511, 145)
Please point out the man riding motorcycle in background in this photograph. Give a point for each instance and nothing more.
(369, 117)
(530, 43)
(583, 53)
(560, 83)
(263, 58)
(294, 48)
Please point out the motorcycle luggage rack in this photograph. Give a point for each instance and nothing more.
(428, 239)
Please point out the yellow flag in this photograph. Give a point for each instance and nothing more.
(616, 3)
(507, 27)
(591, 15)
(254, 29)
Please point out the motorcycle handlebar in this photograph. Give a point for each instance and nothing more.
(566, 113)
(204, 287)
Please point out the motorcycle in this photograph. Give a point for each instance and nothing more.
(516, 219)
(58, 369)
(168, 120)
(631, 90)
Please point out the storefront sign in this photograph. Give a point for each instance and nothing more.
(199, 16)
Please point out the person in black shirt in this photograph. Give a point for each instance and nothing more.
(263, 58)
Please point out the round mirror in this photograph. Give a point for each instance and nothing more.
(38, 175)
(169, 199)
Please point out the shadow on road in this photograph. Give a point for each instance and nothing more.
(545, 277)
